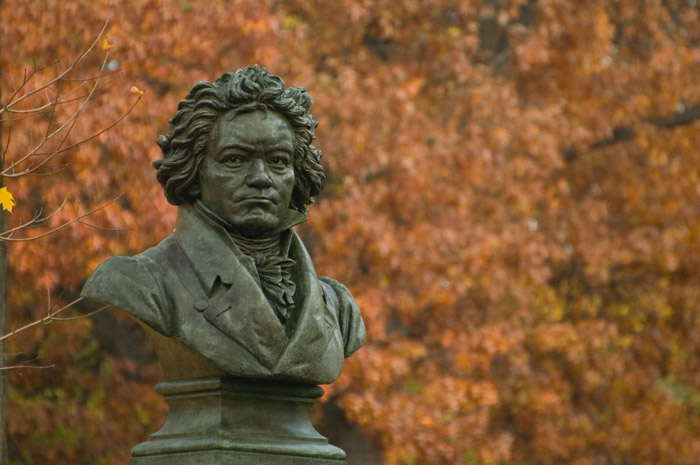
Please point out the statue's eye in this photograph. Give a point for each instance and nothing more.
(279, 161)
(234, 160)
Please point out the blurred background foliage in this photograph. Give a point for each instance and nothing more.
(512, 196)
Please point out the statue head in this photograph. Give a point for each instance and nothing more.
(196, 124)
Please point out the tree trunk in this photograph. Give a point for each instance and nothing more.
(4, 374)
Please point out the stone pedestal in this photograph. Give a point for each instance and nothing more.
(234, 421)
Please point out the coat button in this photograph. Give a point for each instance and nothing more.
(201, 305)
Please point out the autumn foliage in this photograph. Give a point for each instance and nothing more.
(512, 196)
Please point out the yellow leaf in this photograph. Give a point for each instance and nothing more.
(7, 202)
(289, 22)
(136, 90)
(105, 44)
(454, 31)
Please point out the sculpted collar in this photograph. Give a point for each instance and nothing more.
(240, 310)
(207, 243)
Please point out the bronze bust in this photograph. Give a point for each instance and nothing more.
(234, 282)
(233, 292)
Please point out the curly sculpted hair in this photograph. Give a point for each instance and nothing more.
(248, 89)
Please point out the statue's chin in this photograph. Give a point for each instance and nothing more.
(256, 225)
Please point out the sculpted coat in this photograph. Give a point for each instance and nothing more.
(199, 289)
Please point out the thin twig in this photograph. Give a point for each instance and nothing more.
(48, 300)
(99, 76)
(21, 226)
(19, 118)
(5, 237)
(57, 169)
(13, 367)
(54, 101)
(60, 75)
(7, 145)
(18, 89)
(40, 321)
(89, 314)
(75, 145)
(102, 228)
(35, 220)
(49, 318)
(69, 121)
(48, 124)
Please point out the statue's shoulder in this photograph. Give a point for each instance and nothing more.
(340, 300)
(146, 265)
(159, 255)
(134, 284)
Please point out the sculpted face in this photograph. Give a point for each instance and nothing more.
(247, 176)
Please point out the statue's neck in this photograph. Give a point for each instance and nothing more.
(266, 246)
(257, 248)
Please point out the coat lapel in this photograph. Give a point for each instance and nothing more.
(232, 300)
(313, 322)
(242, 313)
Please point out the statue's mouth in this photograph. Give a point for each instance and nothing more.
(266, 200)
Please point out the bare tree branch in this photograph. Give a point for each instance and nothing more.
(6, 236)
(50, 318)
(60, 76)
(13, 367)
(87, 139)
(623, 133)
(35, 220)
(56, 101)
(69, 122)
(49, 155)
(688, 115)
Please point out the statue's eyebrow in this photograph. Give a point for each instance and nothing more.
(237, 145)
(249, 148)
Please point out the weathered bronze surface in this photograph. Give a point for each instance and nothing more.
(243, 327)
(234, 420)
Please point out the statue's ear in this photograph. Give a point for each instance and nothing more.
(193, 191)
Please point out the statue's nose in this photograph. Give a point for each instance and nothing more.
(257, 175)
